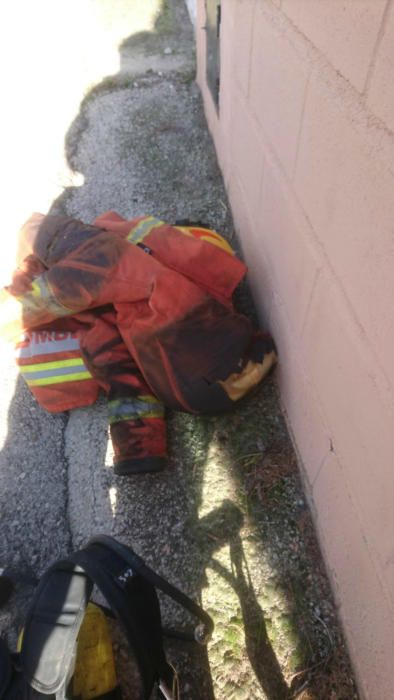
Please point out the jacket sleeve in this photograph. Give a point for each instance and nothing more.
(136, 416)
(50, 361)
(96, 273)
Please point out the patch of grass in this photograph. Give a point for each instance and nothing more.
(233, 637)
(165, 20)
(107, 84)
(187, 77)
(287, 642)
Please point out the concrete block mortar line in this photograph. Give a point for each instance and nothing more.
(251, 49)
(306, 380)
(311, 297)
(308, 486)
(307, 483)
(273, 278)
(271, 160)
(321, 465)
(385, 18)
(378, 565)
(301, 124)
(278, 301)
(277, 4)
(377, 136)
(365, 690)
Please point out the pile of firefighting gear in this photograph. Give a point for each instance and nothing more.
(139, 309)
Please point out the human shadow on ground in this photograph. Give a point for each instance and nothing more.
(222, 527)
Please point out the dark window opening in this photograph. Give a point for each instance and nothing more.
(213, 15)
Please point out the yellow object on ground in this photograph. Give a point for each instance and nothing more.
(239, 384)
(94, 674)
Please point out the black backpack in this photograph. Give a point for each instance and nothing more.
(44, 666)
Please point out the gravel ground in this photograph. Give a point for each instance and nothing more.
(227, 521)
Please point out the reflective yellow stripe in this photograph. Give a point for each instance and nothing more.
(41, 297)
(73, 362)
(210, 236)
(35, 289)
(47, 373)
(143, 228)
(132, 416)
(59, 380)
(219, 242)
(185, 231)
(149, 398)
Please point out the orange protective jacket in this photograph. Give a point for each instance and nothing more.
(140, 309)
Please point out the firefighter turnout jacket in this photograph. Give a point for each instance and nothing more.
(141, 310)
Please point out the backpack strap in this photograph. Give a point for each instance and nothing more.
(136, 565)
(135, 603)
(52, 626)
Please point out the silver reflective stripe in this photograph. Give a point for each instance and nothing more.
(37, 347)
(133, 408)
(54, 372)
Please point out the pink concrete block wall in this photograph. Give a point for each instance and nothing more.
(304, 135)
(345, 32)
